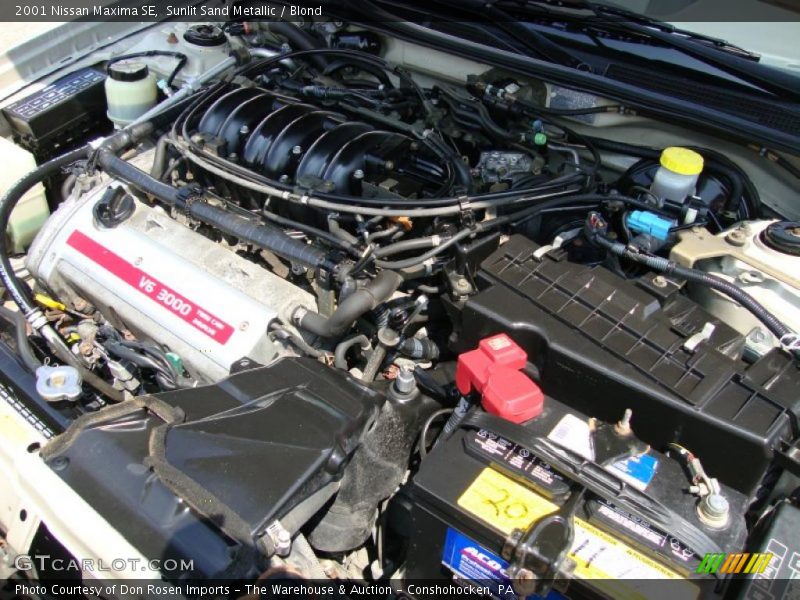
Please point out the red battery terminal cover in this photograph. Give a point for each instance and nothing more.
(494, 370)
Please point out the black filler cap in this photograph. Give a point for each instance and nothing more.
(128, 71)
(205, 35)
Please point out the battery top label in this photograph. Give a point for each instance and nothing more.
(506, 505)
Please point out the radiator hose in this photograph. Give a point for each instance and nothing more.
(360, 302)
(16, 289)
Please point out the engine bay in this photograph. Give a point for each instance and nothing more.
(305, 309)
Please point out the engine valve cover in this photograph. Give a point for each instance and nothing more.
(165, 283)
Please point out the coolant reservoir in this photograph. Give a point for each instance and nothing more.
(31, 211)
(676, 178)
(130, 91)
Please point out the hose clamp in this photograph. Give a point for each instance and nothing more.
(36, 318)
(466, 213)
(188, 194)
(790, 342)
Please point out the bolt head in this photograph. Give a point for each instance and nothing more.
(714, 510)
(525, 582)
(405, 382)
(737, 237)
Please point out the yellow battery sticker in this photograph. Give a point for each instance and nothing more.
(506, 505)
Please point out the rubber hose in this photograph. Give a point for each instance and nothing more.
(667, 266)
(262, 235)
(68, 186)
(21, 335)
(140, 360)
(133, 176)
(363, 300)
(422, 243)
(309, 229)
(298, 40)
(419, 348)
(416, 260)
(160, 158)
(374, 364)
(299, 343)
(376, 72)
(340, 354)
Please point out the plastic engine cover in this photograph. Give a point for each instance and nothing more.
(164, 282)
(264, 444)
(603, 344)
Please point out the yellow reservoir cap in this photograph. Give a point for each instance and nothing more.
(681, 160)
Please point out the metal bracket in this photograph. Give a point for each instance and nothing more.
(467, 214)
(538, 555)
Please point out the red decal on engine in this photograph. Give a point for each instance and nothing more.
(151, 287)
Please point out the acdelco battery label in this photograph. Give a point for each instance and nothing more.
(637, 471)
(610, 564)
(472, 562)
(146, 284)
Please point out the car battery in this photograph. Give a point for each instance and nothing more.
(490, 478)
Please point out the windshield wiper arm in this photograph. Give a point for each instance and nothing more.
(612, 18)
(489, 12)
(716, 43)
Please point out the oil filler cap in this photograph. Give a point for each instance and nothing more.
(494, 370)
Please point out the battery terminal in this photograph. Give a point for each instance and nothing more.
(713, 508)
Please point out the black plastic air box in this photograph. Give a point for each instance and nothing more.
(602, 344)
(201, 473)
